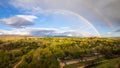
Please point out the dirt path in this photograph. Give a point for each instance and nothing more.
(61, 63)
(16, 65)
(68, 62)
(81, 67)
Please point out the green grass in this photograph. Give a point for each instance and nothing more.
(113, 63)
(47, 50)
(106, 63)
(76, 65)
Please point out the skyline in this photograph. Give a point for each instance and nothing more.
(80, 18)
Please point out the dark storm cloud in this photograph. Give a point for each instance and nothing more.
(110, 9)
(118, 30)
(44, 32)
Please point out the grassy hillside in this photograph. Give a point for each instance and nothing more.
(29, 52)
(112, 63)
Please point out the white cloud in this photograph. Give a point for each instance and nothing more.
(13, 32)
(27, 17)
(19, 21)
(108, 33)
(112, 34)
(44, 32)
(105, 11)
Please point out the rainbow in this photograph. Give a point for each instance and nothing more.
(107, 21)
(79, 16)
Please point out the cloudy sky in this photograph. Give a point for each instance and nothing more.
(80, 18)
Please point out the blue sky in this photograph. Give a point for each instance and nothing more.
(80, 18)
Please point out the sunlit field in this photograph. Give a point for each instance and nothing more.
(59, 33)
(59, 52)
